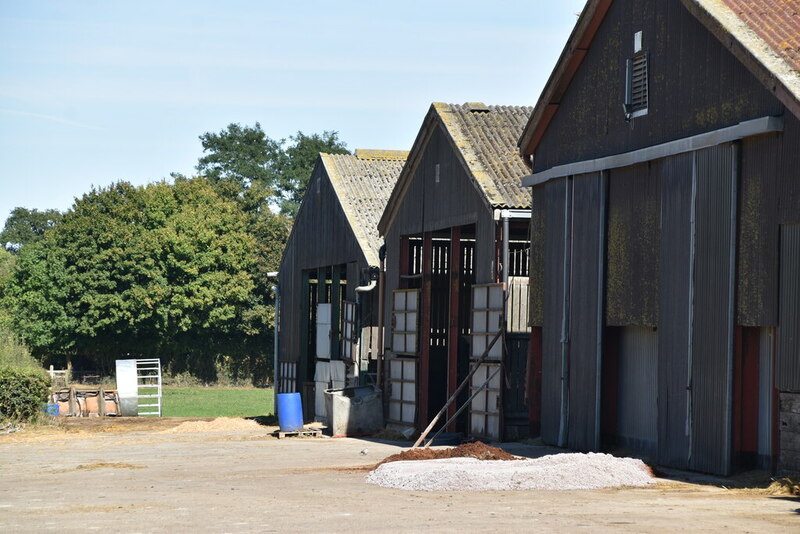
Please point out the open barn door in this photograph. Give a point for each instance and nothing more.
(403, 363)
(487, 321)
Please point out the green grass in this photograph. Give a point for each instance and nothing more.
(216, 402)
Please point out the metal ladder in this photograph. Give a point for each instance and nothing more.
(148, 386)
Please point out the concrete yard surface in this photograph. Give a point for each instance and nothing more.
(244, 480)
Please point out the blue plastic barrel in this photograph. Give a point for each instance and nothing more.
(290, 412)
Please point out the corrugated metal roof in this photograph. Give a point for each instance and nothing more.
(767, 30)
(776, 23)
(363, 183)
(487, 138)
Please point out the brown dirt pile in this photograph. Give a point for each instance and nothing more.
(477, 450)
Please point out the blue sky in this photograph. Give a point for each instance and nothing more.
(97, 91)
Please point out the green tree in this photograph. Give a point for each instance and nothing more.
(26, 226)
(166, 270)
(244, 163)
(7, 262)
(294, 168)
(238, 159)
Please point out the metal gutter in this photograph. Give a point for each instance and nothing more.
(744, 129)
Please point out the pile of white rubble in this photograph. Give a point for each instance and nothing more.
(568, 471)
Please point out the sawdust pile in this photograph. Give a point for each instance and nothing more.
(220, 424)
(569, 471)
(477, 450)
(99, 465)
(785, 486)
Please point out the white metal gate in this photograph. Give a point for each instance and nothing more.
(403, 365)
(287, 381)
(487, 321)
(148, 385)
(403, 391)
(139, 386)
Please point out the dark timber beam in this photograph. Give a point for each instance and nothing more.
(305, 355)
(336, 290)
(453, 330)
(425, 328)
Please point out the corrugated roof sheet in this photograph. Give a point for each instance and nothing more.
(776, 22)
(363, 183)
(769, 33)
(487, 138)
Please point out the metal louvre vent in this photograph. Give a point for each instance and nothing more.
(636, 93)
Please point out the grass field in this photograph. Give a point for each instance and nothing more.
(217, 402)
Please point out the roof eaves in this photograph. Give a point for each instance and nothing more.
(567, 65)
(409, 168)
(383, 155)
(317, 165)
(337, 183)
(468, 155)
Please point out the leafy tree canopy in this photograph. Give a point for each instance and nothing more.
(244, 163)
(7, 261)
(297, 163)
(26, 226)
(166, 270)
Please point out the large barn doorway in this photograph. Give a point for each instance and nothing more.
(322, 306)
(441, 265)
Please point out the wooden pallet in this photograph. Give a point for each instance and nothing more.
(304, 432)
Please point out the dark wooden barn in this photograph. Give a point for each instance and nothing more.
(328, 302)
(665, 235)
(455, 229)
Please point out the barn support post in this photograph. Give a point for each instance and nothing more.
(425, 327)
(690, 352)
(336, 287)
(567, 272)
(304, 355)
(322, 282)
(601, 275)
(275, 338)
(381, 305)
(505, 258)
(453, 332)
(733, 227)
(405, 255)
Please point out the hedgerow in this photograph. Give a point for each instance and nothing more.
(21, 394)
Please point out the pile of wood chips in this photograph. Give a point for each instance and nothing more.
(477, 450)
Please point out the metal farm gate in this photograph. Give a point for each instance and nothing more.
(487, 320)
(403, 366)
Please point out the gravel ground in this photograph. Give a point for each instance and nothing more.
(126, 476)
(573, 471)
